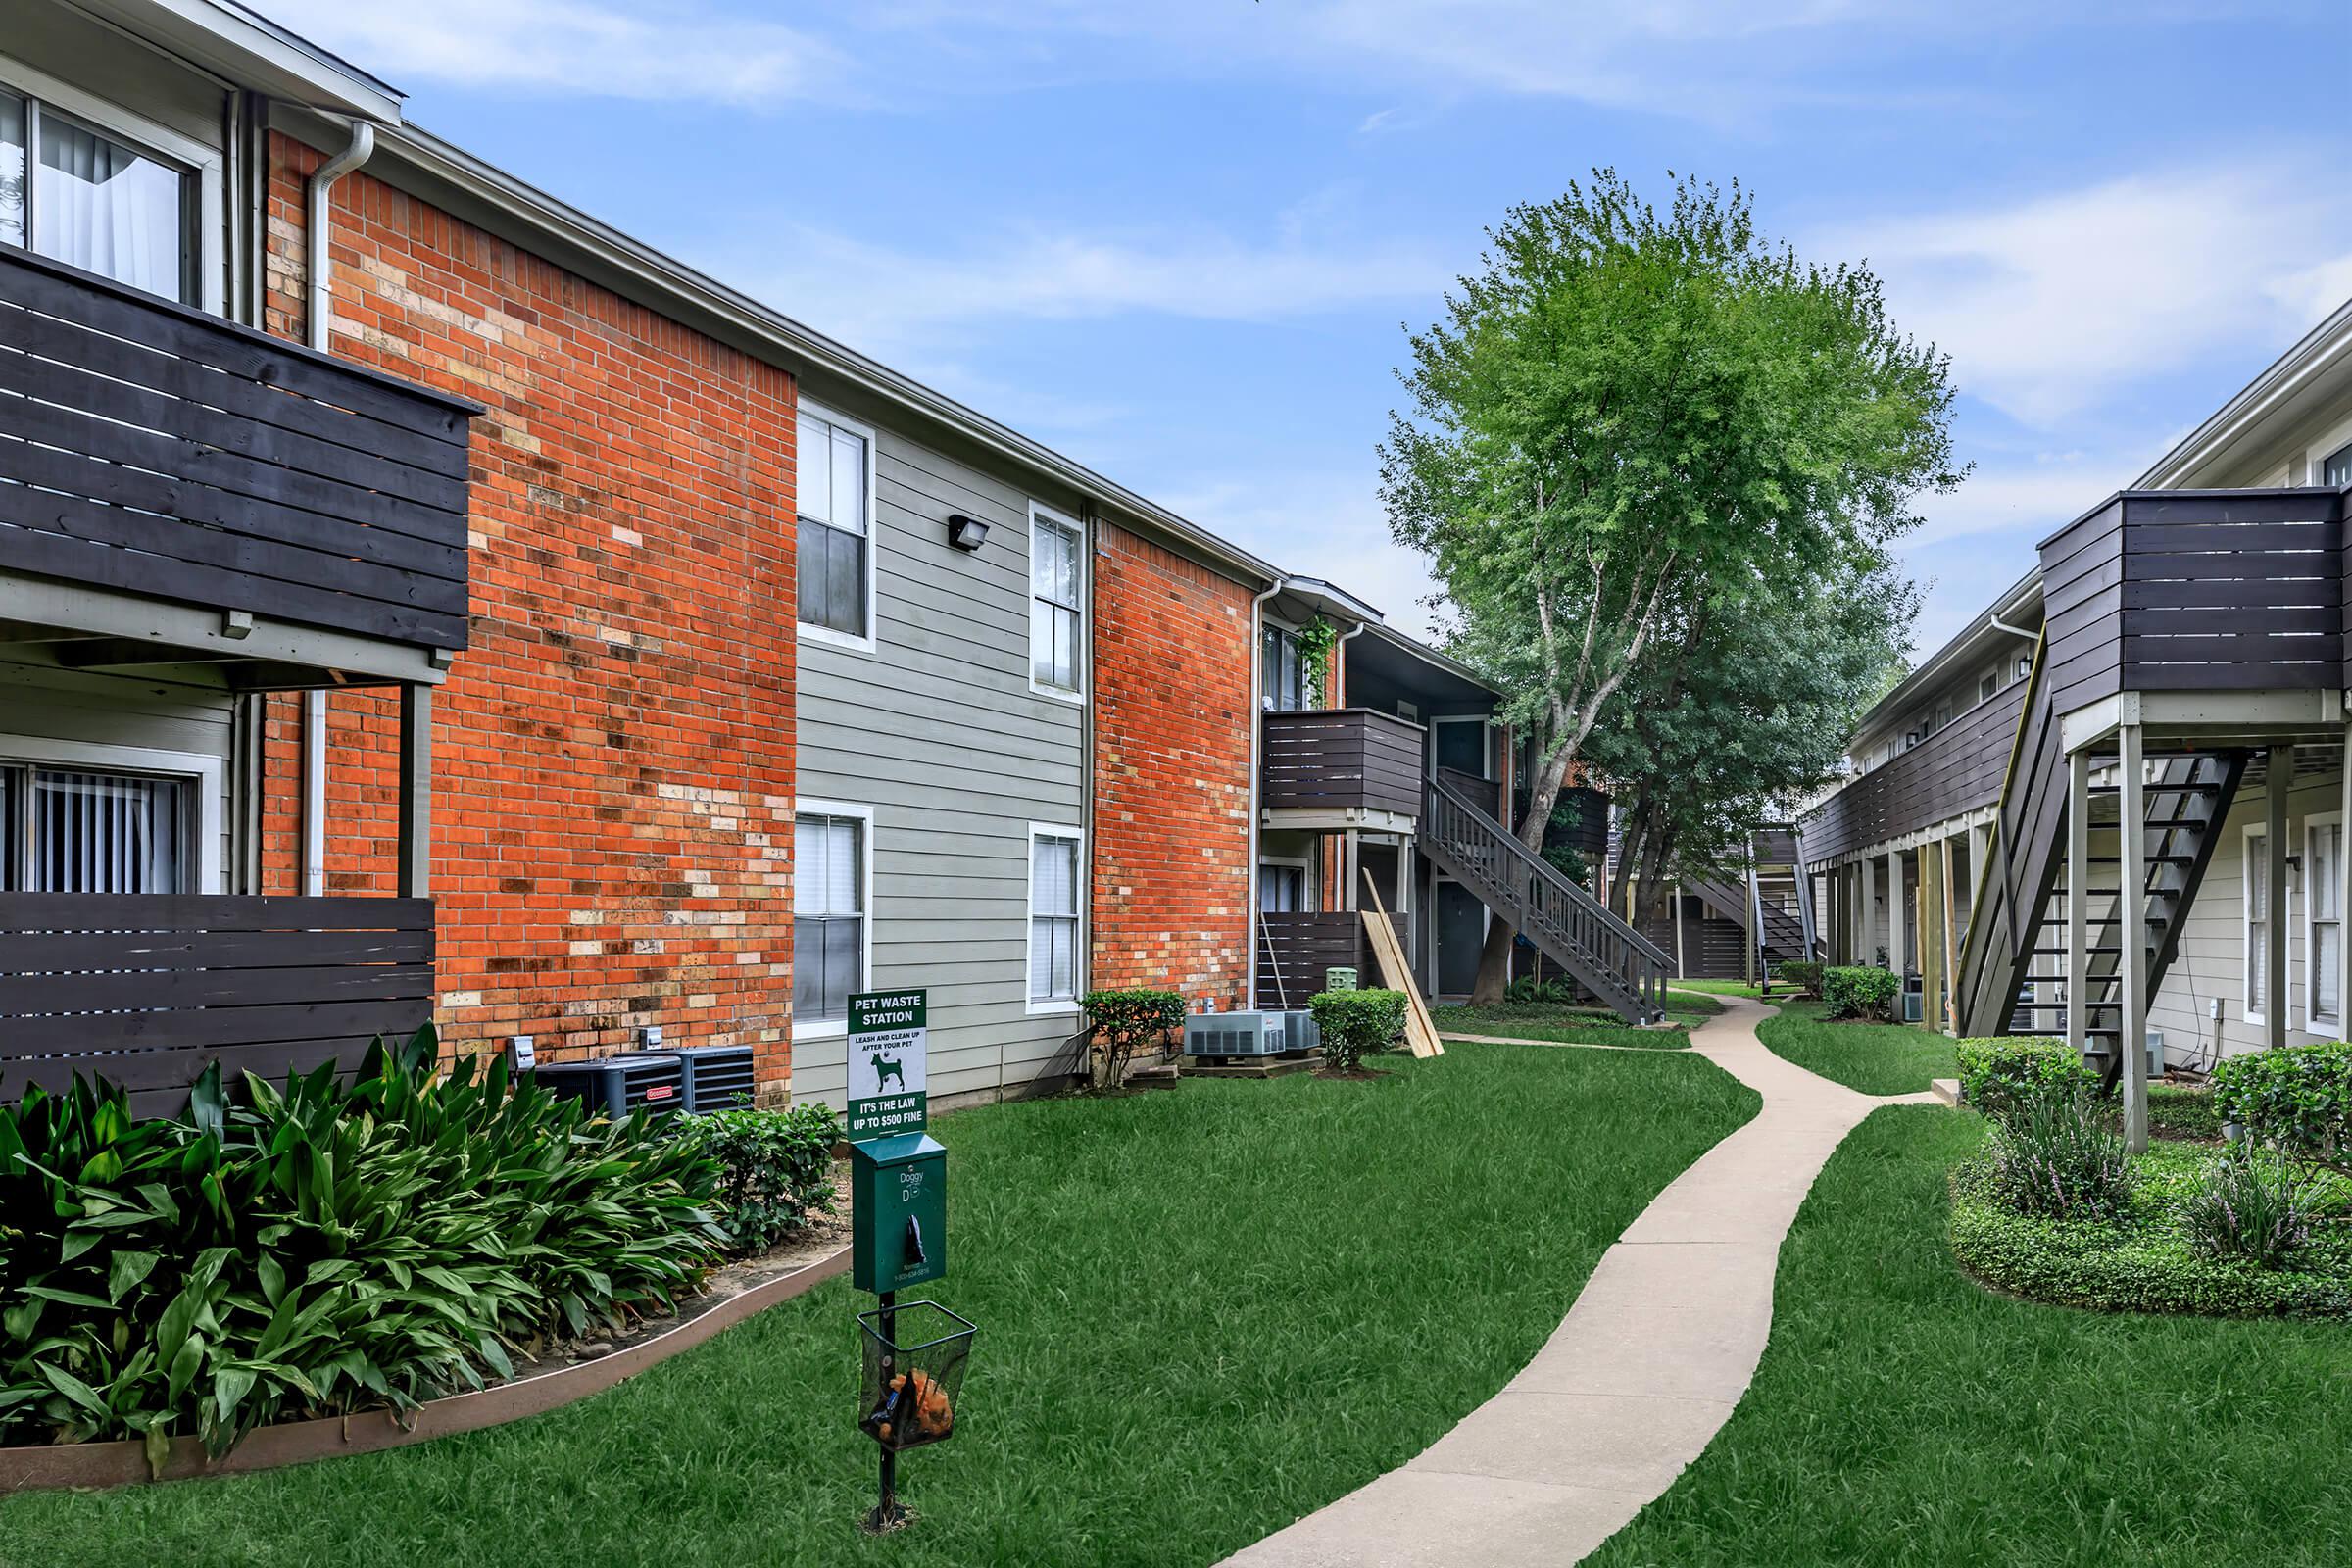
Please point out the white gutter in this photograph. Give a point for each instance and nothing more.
(1338, 664)
(1258, 741)
(318, 325)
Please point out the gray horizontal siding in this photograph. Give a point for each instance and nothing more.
(938, 732)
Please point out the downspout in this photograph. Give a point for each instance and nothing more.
(317, 323)
(1257, 740)
(1338, 665)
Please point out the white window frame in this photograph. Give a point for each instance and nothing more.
(808, 806)
(1083, 898)
(209, 775)
(2315, 1021)
(1307, 888)
(826, 635)
(205, 163)
(1268, 630)
(1040, 512)
(2254, 832)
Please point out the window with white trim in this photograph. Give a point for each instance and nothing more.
(2258, 924)
(1280, 889)
(93, 830)
(2338, 468)
(2322, 922)
(828, 916)
(86, 197)
(1283, 676)
(1057, 603)
(834, 494)
(1053, 893)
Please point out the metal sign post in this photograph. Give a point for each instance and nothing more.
(898, 1224)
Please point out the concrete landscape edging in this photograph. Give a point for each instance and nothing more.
(124, 1464)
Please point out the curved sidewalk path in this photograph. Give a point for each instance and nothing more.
(1640, 1375)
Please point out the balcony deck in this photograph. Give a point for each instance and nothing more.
(1952, 772)
(1341, 767)
(151, 450)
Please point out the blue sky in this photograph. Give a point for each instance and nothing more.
(1180, 239)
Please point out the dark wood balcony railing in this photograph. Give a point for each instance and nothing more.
(144, 991)
(2196, 591)
(1953, 771)
(1341, 759)
(159, 451)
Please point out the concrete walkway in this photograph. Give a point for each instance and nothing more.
(1642, 1373)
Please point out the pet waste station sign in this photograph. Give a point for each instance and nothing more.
(889, 1042)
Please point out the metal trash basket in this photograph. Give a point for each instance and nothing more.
(913, 1384)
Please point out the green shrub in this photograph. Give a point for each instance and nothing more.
(1803, 974)
(320, 1249)
(1125, 1021)
(2142, 1261)
(1855, 991)
(2299, 1098)
(2054, 1153)
(775, 1171)
(1356, 1024)
(2255, 1204)
(1526, 988)
(1996, 1073)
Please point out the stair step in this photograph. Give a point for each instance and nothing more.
(2152, 859)
(2094, 950)
(2058, 1006)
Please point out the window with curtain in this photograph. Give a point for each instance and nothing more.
(76, 830)
(2323, 914)
(1284, 673)
(828, 916)
(1280, 889)
(1057, 614)
(86, 198)
(835, 509)
(2258, 923)
(1053, 918)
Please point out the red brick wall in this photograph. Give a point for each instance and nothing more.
(1171, 875)
(613, 755)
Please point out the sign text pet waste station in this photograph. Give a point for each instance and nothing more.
(890, 1039)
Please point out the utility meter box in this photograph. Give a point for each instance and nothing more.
(899, 1211)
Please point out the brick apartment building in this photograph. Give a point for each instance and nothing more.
(453, 610)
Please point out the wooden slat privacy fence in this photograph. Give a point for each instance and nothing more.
(145, 990)
(1341, 758)
(160, 451)
(2196, 590)
(1294, 949)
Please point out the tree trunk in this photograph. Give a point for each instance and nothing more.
(1494, 958)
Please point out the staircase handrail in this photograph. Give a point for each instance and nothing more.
(1546, 872)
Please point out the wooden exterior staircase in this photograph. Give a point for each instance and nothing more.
(1568, 926)
(2012, 973)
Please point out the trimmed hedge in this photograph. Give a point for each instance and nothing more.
(2299, 1098)
(1998, 1072)
(2182, 1110)
(1803, 974)
(2143, 1260)
(1861, 992)
(775, 1171)
(1126, 1021)
(1356, 1024)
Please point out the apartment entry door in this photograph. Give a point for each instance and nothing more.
(1461, 934)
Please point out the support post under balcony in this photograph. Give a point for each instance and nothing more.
(415, 872)
(2280, 763)
(2077, 902)
(2132, 907)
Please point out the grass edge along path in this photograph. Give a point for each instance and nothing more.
(1875, 1059)
(1202, 1313)
(1904, 1414)
(1554, 1023)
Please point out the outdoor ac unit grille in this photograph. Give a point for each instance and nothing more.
(614, 1085)
(718, 1078)
(1236, 1034)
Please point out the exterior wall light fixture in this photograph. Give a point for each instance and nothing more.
(966, 533)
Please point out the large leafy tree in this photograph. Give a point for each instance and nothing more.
(1748, 712)
(1625, 410)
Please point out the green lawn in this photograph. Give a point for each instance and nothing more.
(1202, 1312)
(1583, 1025)
(1903, 1415)
(1719, 987)
(1878, 1059)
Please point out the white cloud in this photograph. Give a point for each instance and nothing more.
(1329, 525)
(575, 46)
(2052, 305)
(873, 295)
